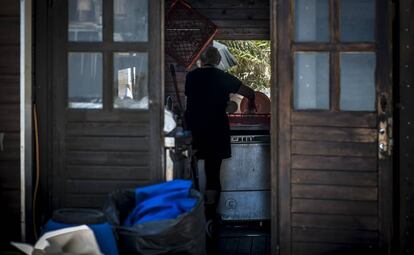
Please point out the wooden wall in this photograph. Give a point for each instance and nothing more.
(404, 66)
(102, 156)
(235, 19)
(9, 121)
(334, 183)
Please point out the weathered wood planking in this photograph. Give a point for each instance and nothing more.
(9, 125)
(334, 134)
(236, 14)
(139, 159)
(304, 248)
(101, 186)
(284, 73)
(334, 236)
(243, 33)
(9, 79)
(9, 30)
(10, 8)
(106, 116)
(334, 148)
(10, 121)
(105, 143)
(9, 166)
(274, 130)
(334, 163)
(9, 93)
(107, 129)
(241, 20)
(97, 172)
(330, 177)
(230, 4)
(235, 23)
(11, 148)
(10, 175)
(10, 112)
(354, 47)
(350, 222)
(334, 192)
(334, 119)
(343, 207)
(84, 200)
(10, 59)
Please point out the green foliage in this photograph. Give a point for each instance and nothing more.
(253, 62)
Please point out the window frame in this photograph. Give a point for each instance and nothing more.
(107, 47)
(334, 47)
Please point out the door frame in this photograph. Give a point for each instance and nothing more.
(280, 13)
(274, 134)
(385, 85)
(48, 53)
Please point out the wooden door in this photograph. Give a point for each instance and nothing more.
(107, 98)
(332, 83)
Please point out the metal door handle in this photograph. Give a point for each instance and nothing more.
(382, 147)
(384, 139)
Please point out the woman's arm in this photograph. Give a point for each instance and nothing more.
(249, 93)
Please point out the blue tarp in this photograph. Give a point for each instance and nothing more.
(161, 201)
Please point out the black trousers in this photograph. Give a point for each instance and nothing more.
(212, 169)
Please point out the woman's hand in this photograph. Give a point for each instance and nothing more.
(252, 106)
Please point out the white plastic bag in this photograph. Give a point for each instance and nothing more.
(73, 240)
(169, 122)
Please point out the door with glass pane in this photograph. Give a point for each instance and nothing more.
(107, 97)
(334, 126)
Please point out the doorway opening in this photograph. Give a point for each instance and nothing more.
(244, 207)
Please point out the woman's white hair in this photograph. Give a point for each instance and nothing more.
(211, 56)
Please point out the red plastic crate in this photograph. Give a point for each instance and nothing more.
(249, 119)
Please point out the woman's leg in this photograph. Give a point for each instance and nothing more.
(212, 195)
(212, 170)
(213, 186)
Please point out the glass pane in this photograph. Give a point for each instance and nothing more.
(85, 20)
(130, 20)
(311, 20)
(357, 21)
(311, 81)
(358, 81)
(131, 80)
(85, 80)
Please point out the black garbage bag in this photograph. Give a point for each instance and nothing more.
(183, 235)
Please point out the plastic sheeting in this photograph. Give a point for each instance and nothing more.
(227, 59)
(183, 235)
(162, 201)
